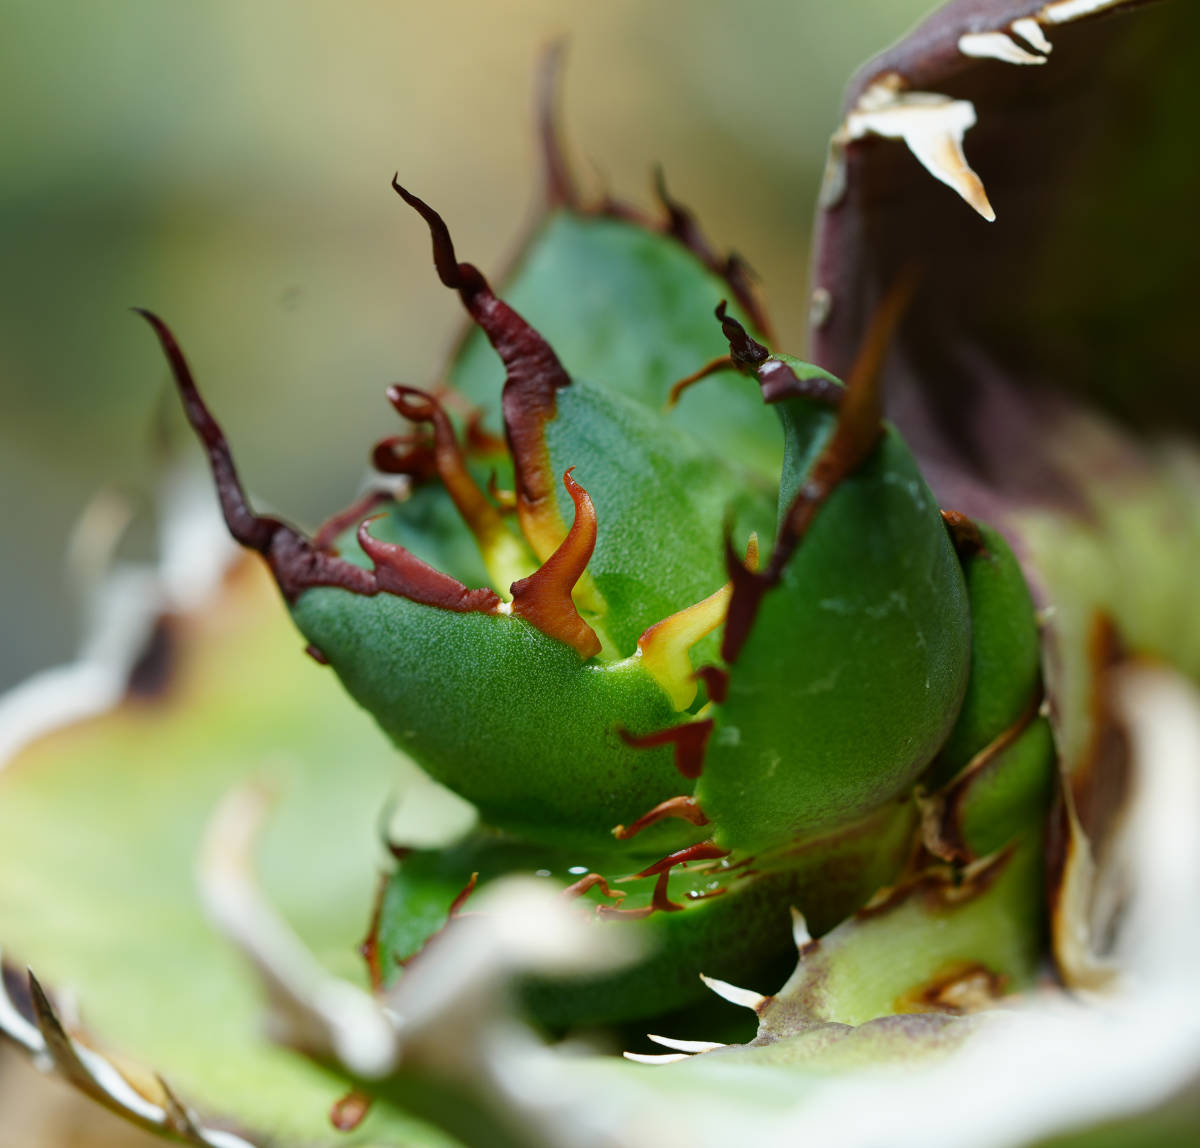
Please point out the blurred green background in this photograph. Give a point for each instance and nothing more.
(227, 165)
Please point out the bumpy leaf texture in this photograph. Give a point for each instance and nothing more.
(1036, 370)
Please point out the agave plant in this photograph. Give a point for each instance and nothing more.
(740, 685)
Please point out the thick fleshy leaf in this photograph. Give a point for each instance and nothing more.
(859, 677)
(555, 767)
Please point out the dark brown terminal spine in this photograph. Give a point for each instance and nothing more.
(295, 562)
(534, 373)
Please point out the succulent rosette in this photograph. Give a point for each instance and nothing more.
(751, 666)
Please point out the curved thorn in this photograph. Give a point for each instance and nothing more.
(685, 1045)
(661, 901)
(248, 528)
(479, 440)
(749, 586)
(612, 912)
(681, 222)
(505, 500)
(746, 998)
(399, 571)
(534, 377)
(800, 934)
(452, 914)
(702, 851)
(296, 564)
(368, 947)
(461, 277)
(712, 367)
(706, 894)
(683, 808)
(544, 598)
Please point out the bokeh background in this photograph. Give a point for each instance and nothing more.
(227, 165)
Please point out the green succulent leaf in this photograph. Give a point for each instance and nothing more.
(859, 676)
(552, 723)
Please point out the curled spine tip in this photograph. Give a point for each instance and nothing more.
(461, 277)
(745, 352)
(252, 531)
(544, 598)
(503, 555)
(558, 184)
(332, 528)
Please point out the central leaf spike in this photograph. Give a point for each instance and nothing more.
(506, 559)
(534, 376)
(544, 598)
